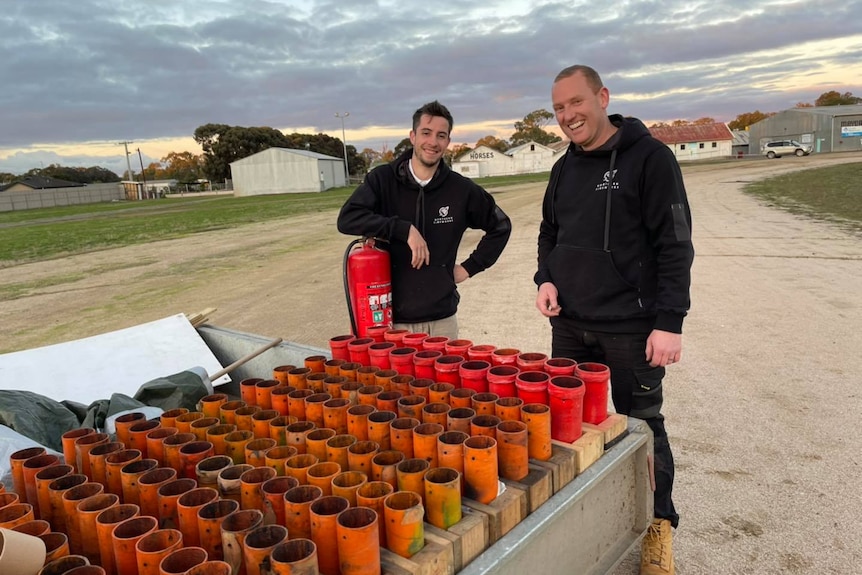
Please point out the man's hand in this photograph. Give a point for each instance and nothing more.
(546, 300)
(663, 348)
(421, 255)
(460, 273)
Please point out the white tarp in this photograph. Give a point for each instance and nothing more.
(93, 368)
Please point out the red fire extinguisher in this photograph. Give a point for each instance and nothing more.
(367, 286)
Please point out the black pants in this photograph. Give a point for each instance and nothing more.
(635, 389)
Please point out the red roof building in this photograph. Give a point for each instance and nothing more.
(696, 142)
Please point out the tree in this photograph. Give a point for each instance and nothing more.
(387, 155)
(6, 177)
(223, 144)
(453, 152)
(356, 164)
(210, 136)
(493, 143)
(153, 171)
(531, 129)
(184, 167)
(743, 121)
(803, 105)
(402, 147)
(833, 98)
(370, 156)
(91, 175)
(328, 146)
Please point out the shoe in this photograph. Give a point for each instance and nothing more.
(657, 549)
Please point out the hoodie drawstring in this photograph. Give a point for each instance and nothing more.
(420, 211)
(608, 204)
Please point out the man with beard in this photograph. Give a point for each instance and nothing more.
(420, 209)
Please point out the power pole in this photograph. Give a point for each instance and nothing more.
(143, 175)
(344, 143)
(128, 162)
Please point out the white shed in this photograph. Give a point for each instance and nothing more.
(531, 158)
(284, 171)
(528, 158)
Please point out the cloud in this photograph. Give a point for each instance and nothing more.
(93, 70)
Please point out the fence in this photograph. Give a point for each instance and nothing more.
(90, 194)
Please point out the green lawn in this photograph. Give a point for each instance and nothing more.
(833, 193)
(32, 235)
(40, 234)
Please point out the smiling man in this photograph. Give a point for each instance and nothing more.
(615, 257)
(420, 208)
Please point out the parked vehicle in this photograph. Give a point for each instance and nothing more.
(783, 148)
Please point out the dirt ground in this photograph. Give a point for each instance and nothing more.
(767, 482)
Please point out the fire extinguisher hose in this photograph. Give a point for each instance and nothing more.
(347, 286)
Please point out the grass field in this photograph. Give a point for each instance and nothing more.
(34, 235)
(833, 194)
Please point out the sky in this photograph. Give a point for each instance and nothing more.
(79, 76)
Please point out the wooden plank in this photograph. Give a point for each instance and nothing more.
(588, 448)
(432, 559)
(538, 485)
(469, 537)
(506, 511)
(561, 465)
(201, 317)
(611, 428)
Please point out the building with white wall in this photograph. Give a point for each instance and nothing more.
(284, 171)
(696, 142)
(528, 158)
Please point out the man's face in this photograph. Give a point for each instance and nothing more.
(430, 139)
(581, 112)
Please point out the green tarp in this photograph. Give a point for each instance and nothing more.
(45, 420)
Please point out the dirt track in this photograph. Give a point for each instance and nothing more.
(767, 479)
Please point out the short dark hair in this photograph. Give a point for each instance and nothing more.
(432, 109)
(591, 75)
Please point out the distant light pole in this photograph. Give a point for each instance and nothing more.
(344, 143)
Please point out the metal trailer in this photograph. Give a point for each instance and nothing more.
(587, 527)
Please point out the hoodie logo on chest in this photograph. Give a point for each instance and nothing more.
(443, 216)
(606, 178)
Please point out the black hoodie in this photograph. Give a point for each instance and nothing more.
(390, 200)
(620, 259)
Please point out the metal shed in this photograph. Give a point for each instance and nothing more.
(825, 128)
(285, 171)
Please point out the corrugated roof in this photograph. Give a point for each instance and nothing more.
(685, 134)
(512, 151)
(45, 183)
(847, 110)
(306, 153)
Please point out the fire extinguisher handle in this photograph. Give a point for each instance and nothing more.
(370, 241)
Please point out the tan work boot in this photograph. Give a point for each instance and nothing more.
(657, 549)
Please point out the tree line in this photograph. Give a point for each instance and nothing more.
(223, 144)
